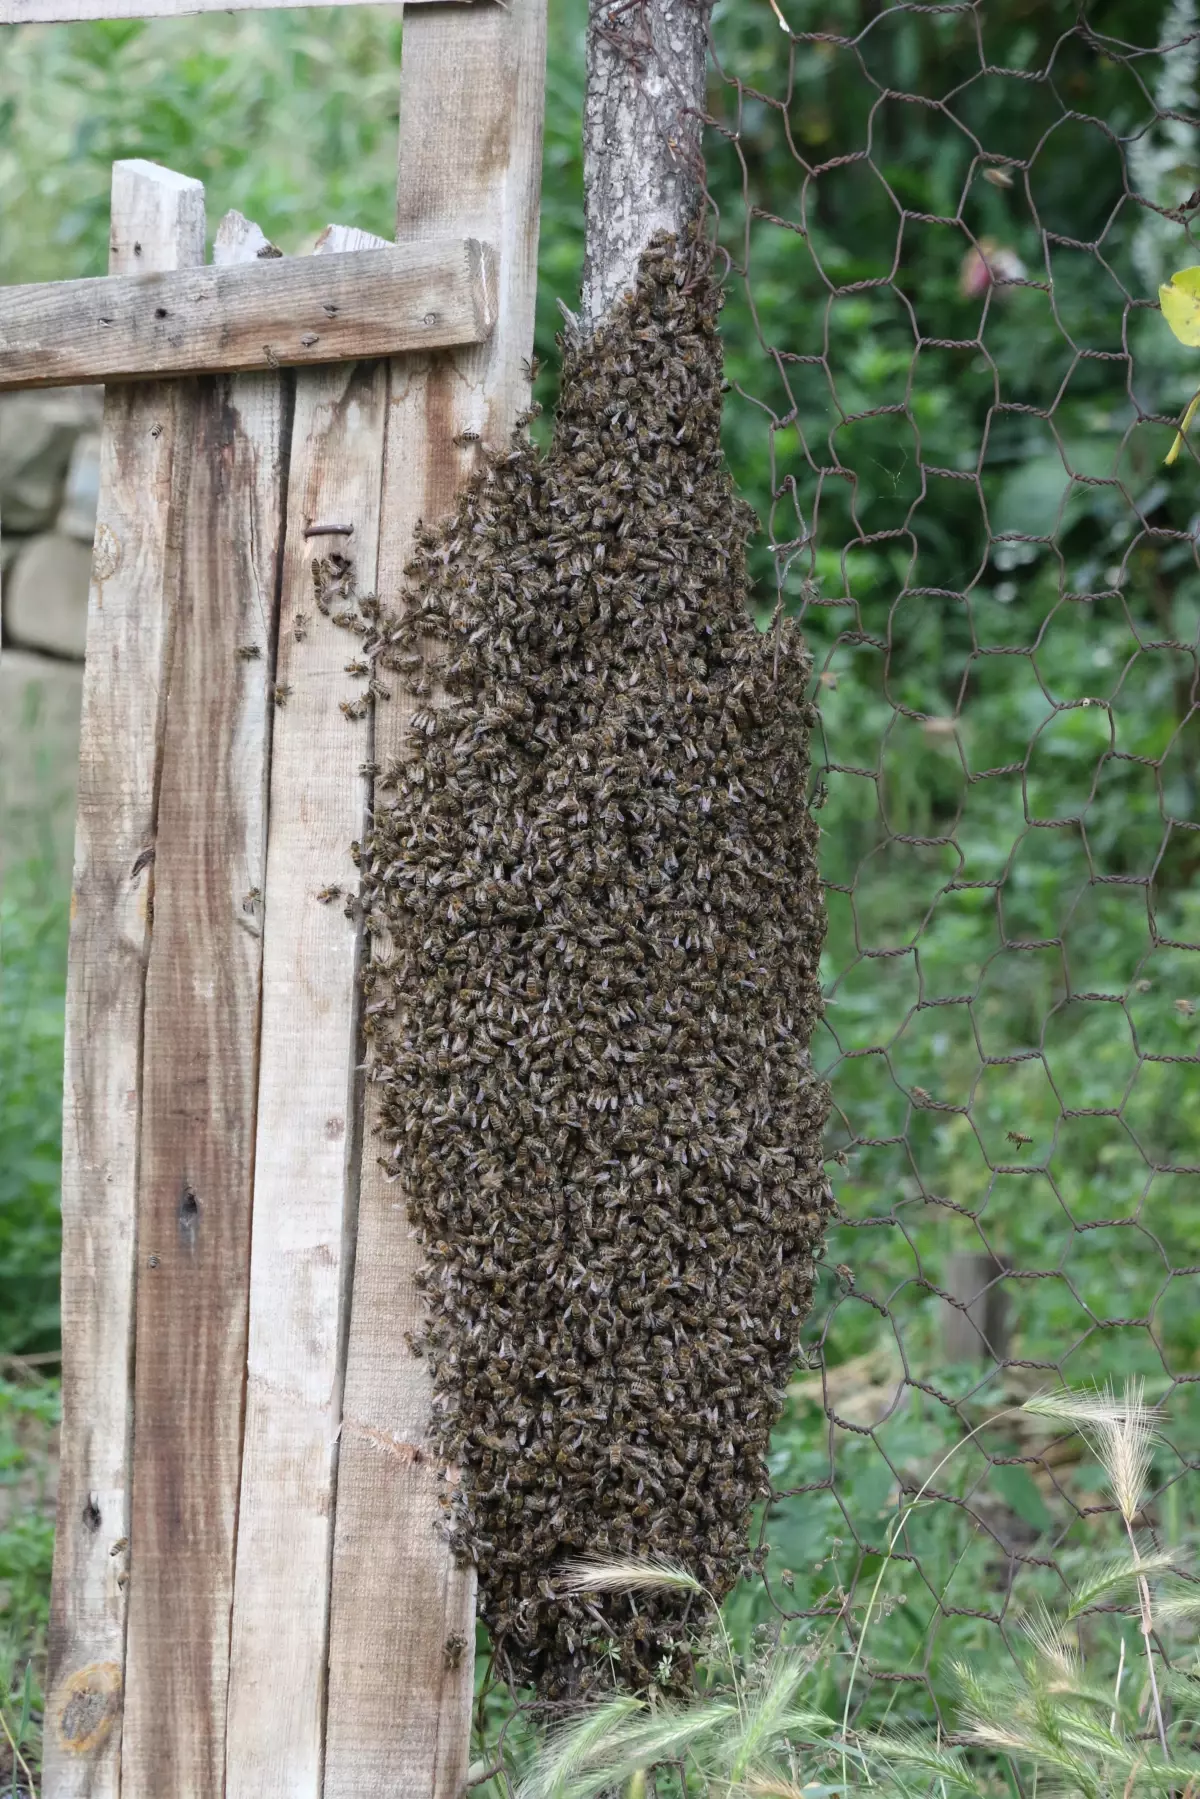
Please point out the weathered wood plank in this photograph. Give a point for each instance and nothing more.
(337, 240)
(309, 1099)
(35, 12)
(402, 1625)
(269, 314)
(200, 1080)
(130, 615)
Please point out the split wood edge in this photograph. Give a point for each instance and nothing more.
(266, 314)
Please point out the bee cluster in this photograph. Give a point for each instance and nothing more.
(593, 891)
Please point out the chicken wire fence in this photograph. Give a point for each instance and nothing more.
(943, 229)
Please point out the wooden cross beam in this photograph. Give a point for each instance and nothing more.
(47, 12)
(267, 314)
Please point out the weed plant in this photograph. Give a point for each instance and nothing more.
(28, 1417)
(1090, 1704)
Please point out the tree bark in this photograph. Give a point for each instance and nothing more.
(642, 166)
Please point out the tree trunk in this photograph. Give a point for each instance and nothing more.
(642, 166)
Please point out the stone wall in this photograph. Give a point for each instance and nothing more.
(49, 474)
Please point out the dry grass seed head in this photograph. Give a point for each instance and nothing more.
(1120, 1428)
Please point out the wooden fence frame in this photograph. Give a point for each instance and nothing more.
(251, 1596)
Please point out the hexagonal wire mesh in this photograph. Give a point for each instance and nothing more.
(952, 393)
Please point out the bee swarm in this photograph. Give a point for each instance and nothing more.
(596, 915)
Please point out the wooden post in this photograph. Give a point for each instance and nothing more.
(305, 1199)
(200, 1063)
(157, 223)
(975, 1329)
(402, 1627)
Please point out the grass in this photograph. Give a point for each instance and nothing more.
(1058, 1716)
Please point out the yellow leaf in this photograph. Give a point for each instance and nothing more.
(1180, 301)
(1188, 416)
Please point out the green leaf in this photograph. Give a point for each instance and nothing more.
(1019, 1491)
(26, 1704)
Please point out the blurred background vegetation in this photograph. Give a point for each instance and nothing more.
(962, 494)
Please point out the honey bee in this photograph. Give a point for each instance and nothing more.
(282, 693)
(248, 652)
(333, 580)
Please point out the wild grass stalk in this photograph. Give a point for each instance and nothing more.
(1049, 1715)
(1122, 1432)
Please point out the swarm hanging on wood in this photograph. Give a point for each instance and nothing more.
(596, 917)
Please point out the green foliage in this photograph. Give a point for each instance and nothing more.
(1007, 665)
(290, 117)
(28, 1417)
(33, 933)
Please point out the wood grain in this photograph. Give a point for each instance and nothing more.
(32, 12)
(402, 1626)
(308, 1107)
(200, 1080)
(264, 314)
(130, 622)
(239, 239)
